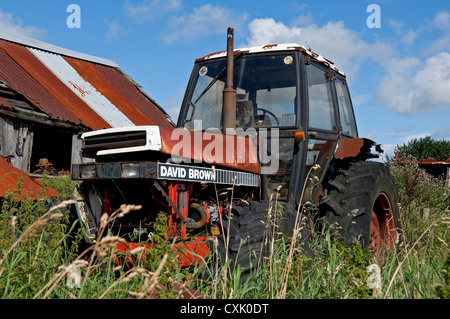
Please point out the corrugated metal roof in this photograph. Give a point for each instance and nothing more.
(76, 88)
(53, 48)
(5, 103)
(25, 74)
(9, 177)
(116, 87)
(84, 90)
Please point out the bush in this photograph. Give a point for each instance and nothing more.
(422, 199)
(424, 148)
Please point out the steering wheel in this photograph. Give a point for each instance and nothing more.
(268, 112)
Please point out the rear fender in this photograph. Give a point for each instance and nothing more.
(356, 148)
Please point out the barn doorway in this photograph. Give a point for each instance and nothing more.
(52, 149)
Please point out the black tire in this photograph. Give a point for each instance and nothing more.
(244, 241)
(362, 204)
(243, 238)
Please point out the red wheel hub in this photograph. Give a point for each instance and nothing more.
(382, 225)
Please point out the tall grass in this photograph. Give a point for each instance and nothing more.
(36, 260)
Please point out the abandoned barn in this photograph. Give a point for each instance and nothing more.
(50, 95)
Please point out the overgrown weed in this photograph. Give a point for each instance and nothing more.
(36, 263)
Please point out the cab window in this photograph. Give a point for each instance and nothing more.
(346, 115)
(321, 109)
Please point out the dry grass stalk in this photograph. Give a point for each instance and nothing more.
(57, 278)
(150, 283)
(227, 242)
(126, 277)
(108, 240)
(297, 228)
(407, 255)
(216, 270)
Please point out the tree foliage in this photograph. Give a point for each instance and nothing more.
(425, 148)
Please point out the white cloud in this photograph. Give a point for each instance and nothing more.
(388, 151)
(409, 37)
(334, 41)
(303, 20)
(442, 20)
(115, 31)
(417, 136)
(441, 44)
(11, 25)
(267, 31)
(202, 21)
(412, 86)
(442, 133)
(149, 10)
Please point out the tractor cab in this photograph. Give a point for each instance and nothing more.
(298, 99)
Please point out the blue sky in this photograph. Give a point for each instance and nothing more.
(399, 74)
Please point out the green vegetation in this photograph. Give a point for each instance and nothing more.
(425, 148)
(36, 260)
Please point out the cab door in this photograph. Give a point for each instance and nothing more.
(322, 127)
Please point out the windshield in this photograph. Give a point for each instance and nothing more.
(265, 87)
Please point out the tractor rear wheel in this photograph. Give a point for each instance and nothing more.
(362, 205)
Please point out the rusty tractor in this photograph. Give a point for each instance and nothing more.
(257, 124)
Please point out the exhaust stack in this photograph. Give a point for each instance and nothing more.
(229, 93)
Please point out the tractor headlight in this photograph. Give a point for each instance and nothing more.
(88, 171)
(130, 170)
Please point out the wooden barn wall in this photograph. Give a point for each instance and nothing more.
(16, 141)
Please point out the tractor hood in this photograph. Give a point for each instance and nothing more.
(184, 146)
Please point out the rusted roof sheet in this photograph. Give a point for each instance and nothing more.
(24, 73)
(5, 103)
(84, 90)
(75, 87)
(9, 177)
(116, 87)
(432, 161)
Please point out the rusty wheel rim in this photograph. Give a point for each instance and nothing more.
(382, 226)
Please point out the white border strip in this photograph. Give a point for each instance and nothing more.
(55, 49)
(83, 89)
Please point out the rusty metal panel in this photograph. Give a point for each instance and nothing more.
(83, 89)
(120, 84)
(9, 176)
(197, 144)
(353, 147)
(14, 74)
(24, 73)
(66, 88)
(5, 103)
(120, 91)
